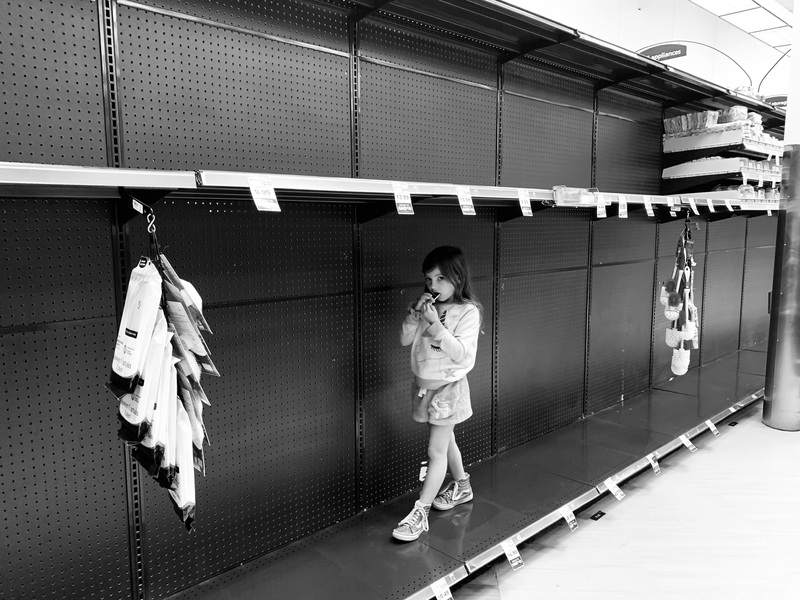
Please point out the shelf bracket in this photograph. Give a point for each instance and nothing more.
(147, 196)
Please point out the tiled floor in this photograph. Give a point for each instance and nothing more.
(722, 523)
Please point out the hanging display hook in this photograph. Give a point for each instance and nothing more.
(151, 222)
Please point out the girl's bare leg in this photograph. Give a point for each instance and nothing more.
(454, 459)
(441, 437)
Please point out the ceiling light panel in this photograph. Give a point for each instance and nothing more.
(724, 7)
(781, 36)
(757, 19)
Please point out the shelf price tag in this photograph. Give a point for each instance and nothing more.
(728, 205)
(648, 206)
(512, 554)
(710, 203)
(713, 428)
(761, 180)
(569, 517)
(623, 207)
(600, 202)
(688, 443)
(402, 198)
(465, 199)
(525, 202)
(441, 590)
(614, 489)
(263, 193)
(137, 206)
(654, 463)
(693, 204)
(744, 178)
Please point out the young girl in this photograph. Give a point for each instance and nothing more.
(442, 327)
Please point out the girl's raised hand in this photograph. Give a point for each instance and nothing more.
(428, 312)
(426, 298)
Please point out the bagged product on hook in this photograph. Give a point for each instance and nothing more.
(182, 492)
(136, 326)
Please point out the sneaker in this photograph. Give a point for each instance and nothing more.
(456, 492)
(410, 528)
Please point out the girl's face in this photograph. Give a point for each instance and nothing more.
(438, 284)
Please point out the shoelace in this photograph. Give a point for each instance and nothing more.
(414, 517)
(451, 492)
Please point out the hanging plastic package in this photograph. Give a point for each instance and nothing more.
(150, 451)
(136, 410)
(136, 327)
(182, 492)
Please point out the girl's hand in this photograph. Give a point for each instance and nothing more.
(426, 298)
(428, 312)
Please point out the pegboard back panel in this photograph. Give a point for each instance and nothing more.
(56, 256)
(394, 246)
(662, 354)
(628, 156)
(51, 84)
(758, 271)
(545, 144)
(385, 40)
(540, 354)
(231, 252)
(762, 231)
(282, 459)
(298, 20)
(727, 234)
(624, 240)
(196, 96)
(620, 333)
(722, 302)
(529, 244)
(525, 78)
(629, 106)
(62, 499)
(415, 127)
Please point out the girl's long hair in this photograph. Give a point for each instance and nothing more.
(453, 265)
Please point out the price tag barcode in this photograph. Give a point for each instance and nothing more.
(441, 590)
(648, 206)
(569, 517)
(137, 206)
(713, 428)
(623, 207)
(688, 443)
(512, 554)
(402, 198)
(614, 489)
(654, 463)
(263, 193)
(693, 204)
(465, 199)
(525, 202)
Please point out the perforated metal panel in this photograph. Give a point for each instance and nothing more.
(762, 231)
(420, 128)
(531, 244)
(545, 144)
(628, 156)
(619, 333)
(51, 84)
(669, 233)
(233, 253)
(56, 261)
(629, 106)
(281, 463)
(395, 445)
(662, 354)
(63, 497)
(722, 302)
(309, 22)
(759, 265)
(388, 41)
(540, 346)
(623, 240)
(395, 245)
(526, 78)
(727, 234)
(196, 96)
